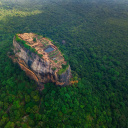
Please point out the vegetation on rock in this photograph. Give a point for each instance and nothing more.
(34, 39)
(27, 46)
(63, 69)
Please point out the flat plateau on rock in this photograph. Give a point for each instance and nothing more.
(40, 59)
(50, 53)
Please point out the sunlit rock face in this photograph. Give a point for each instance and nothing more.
(42, 69)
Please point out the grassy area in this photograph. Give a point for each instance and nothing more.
(53, 54)
(55, 61)
(39, 37)
(45, 45)
(63, 69)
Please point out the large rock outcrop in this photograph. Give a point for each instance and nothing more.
(42, 69)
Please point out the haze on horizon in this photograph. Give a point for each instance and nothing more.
(46, 1)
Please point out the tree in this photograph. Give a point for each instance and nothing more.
(34, 39)
(27, 98)
(10, 125)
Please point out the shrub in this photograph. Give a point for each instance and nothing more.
(34, 39)
(53, 69)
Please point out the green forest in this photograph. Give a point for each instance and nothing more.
(95, 36)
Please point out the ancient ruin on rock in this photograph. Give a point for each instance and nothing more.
(40, 59)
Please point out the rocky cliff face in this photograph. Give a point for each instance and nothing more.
(38, 68)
